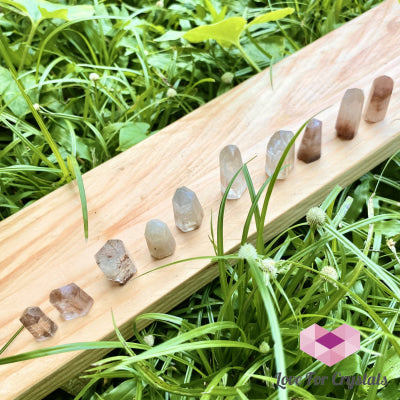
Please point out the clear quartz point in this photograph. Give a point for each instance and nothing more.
(349, 115)
(310, 146)
(188, 211)
(230, 161)
(159, 239)
(115, 262)
(275, 148)
(38, 323)
(71, 301)
(379, 98)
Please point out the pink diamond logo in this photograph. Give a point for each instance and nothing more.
(329, 347)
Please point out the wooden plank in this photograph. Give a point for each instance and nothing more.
(42, 247)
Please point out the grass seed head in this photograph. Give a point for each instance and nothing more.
(227, 78)
(171, 92)
(94, 77)
(315, 217)
(391, 244)
(248, 252)
(149, 339)
(264, 347)
(269, 265)
(331, 273)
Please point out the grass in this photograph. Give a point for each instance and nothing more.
(148, 76)
(229, 340)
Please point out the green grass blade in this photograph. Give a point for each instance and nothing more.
(77, 172)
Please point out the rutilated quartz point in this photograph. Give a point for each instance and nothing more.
(310, 146)
(230, 161)
(349, 115)
(71, 301)
(114, 261)
(379, 98)
(38, 323)
(159, 239)
(188, 211)
(275, 148)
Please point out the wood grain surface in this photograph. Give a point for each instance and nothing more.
(42, 247)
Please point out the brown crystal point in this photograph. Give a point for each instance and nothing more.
(38, 323)
(379, 98)
(349, 115)
(310, 146)
(114, 261)
(71, 301)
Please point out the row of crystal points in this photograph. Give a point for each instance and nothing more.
(72, 301)
(347, 124)
(114, 261)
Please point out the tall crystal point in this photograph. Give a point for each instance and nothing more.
(71, 301)
(114, 261)
(349, 115)
(159, 239)
(38, 323)
(310, 146)
(188, 211)
(275, 148)
(379, 98)
(230, 161)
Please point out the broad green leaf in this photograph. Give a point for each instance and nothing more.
(131, 134)
(271, 16)
(390, 392)
(226, 32)
(38, 10)
(391, 367)
(387, 228)
(169, 35)
(349, 366)
(11, 95)
(47, 14)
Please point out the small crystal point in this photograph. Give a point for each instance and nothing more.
(310, 146)
(38, 323)
(114, 261)
(349, 115)
(275, 148)
(188, 211)
(230, 161)
(379, 98)
(71, 301)
(159, 239)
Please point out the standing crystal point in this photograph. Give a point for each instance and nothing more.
(230, 161)
(71, 301)
(310, 146)
(379, 98)
(349, 115)
(159, 239)
(114, 261)
(188, 211)
(38, 323)
(275, 148)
